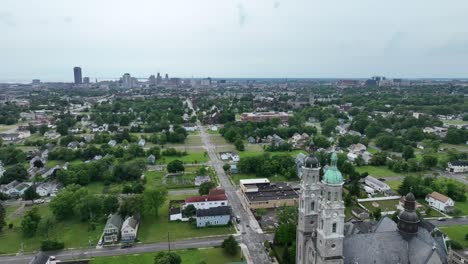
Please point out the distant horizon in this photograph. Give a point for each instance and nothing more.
(101, 79)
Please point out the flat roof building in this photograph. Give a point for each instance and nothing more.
(264, 116)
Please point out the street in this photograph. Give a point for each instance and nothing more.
(253, 238)
(114, 251)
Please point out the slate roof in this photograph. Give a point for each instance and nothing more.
(214, 211)
(386, 245)
(459, 163)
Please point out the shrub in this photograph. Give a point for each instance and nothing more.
(48, 245)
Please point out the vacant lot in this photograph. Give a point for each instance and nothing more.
(189, 256)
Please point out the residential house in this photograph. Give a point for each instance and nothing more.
(10, 137)
(51, 134)
(233, 169)
(440, 202)
(17, 189)
(151, 159)
(207, 201)
(112, 143)
(141, 142)
(130, 229)
(201, 179)
(47, 189)
(361, 148)
(360, 213)
(251, 140)
(112, 229)
(73, 145)
(457, 166)
(214, 216)
(376, 184)
(189, 127)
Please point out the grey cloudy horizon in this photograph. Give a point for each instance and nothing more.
(233, 38)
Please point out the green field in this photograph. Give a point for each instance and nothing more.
(195, 157)
(72, 232)
(157, 228)
(394, 184)
(386, 205)
(380, 171)
(246, 154)
(191, 140)
(217, 139)
(457, 233)
(463, 148)
(463, 206)
(190, 256)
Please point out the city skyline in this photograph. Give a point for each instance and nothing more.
(234, 39)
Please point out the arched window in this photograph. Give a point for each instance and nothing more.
(334, 228)
(312, 206)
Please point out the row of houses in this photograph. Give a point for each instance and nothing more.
(116, 228)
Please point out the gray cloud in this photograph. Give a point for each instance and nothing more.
(8, 19)
(242, 14)
(276, 4)
(68, 19)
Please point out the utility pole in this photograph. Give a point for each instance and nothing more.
(168, 242)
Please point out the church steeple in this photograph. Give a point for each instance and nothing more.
(408, 220)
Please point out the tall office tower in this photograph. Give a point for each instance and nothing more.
(158, 79)
(127, 81)
(152, 80)
(77, 75)
(166, 78)
(86, 80)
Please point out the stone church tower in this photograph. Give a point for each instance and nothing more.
(321, 215)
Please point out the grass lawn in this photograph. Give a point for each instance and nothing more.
(72, 232)
(195, 157)
(394, 184)
(463, 206)
(386, 205)
(217, 139)
(372, 150)
(381, 171)
(246, 154)
(191, 140)
(189, 256)
(156, 228)
(463, 148)
(253, 148)
(457, 233)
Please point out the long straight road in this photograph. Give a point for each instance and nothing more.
(115, 251)
(251, 235)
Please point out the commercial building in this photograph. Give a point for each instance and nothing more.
(260, 193)
(77, 75)
(213, 216)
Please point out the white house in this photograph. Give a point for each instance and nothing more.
(141, 142)
(357, 148)
(47, 188)
(129, 229)
(376, 184)
(189, 127)
(207, 201)
(214, 216)
(457, 166)
(440, 202)
(112, 229)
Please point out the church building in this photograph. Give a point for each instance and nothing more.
(323, 237)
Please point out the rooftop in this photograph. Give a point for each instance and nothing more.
(278, 191)
(214, 211)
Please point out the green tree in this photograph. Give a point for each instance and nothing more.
(131, 205)
(328, 126)
(230, 246)
(429, 161)
(190, 210)
(30, 222)
(408, 152)
(175, 166)
(167, 258)
(154, 199)
(110, 204)
(16, 172)
(2, 217)
(239, 144)
(206, 187)
(321, 141)
(226, 167)
(30, 194)
(44, 226)
(286, 258)
(377, 214)
(63, 204)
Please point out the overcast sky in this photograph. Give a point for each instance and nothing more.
(239, 38)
